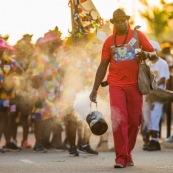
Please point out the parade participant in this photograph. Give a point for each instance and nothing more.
(44, 68)
(118, 53)
(153, 111)
(8, 70)
(23, 100)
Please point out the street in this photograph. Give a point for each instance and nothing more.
(57, 161)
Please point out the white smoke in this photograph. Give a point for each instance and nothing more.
(83, 106)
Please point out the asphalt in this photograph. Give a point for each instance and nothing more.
(57, 161)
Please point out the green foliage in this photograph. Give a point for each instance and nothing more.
(171, 15)
(157, 18)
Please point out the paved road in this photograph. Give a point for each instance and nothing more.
(27, 161)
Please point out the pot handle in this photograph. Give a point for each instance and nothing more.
(91, 106)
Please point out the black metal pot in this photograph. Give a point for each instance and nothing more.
(96, 123)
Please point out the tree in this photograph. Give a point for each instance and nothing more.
(158, 19)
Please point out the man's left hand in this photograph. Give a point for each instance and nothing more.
(93, 96)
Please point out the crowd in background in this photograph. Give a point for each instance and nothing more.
(39, 83)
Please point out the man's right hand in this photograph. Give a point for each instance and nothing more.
(142, 55)
(93, 96)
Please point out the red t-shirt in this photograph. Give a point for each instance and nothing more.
(123, 72)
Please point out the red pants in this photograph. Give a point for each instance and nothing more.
(126, 114)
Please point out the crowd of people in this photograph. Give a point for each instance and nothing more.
(38, 87)
(39, 83)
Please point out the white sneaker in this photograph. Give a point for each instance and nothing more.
(170, 139)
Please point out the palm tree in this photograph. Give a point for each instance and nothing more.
(158, 20)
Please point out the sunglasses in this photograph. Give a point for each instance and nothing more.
(120, 20)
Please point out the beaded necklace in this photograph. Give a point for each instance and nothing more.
(124, 40)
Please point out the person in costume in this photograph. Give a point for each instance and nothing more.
(9, 68)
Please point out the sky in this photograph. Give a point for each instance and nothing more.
(36, 17)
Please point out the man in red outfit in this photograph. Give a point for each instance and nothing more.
(125, 99)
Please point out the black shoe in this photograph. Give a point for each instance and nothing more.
(153, 146)
(46, 144)
(88, 149)
(40, 148)
(145, 145)
(2, 150)
(11, 146)
(73, 151)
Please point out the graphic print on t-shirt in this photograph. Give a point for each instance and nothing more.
(123, 53)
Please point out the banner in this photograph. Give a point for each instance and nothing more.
(85, 17)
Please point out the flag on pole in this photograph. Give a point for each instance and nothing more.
(85, 17)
